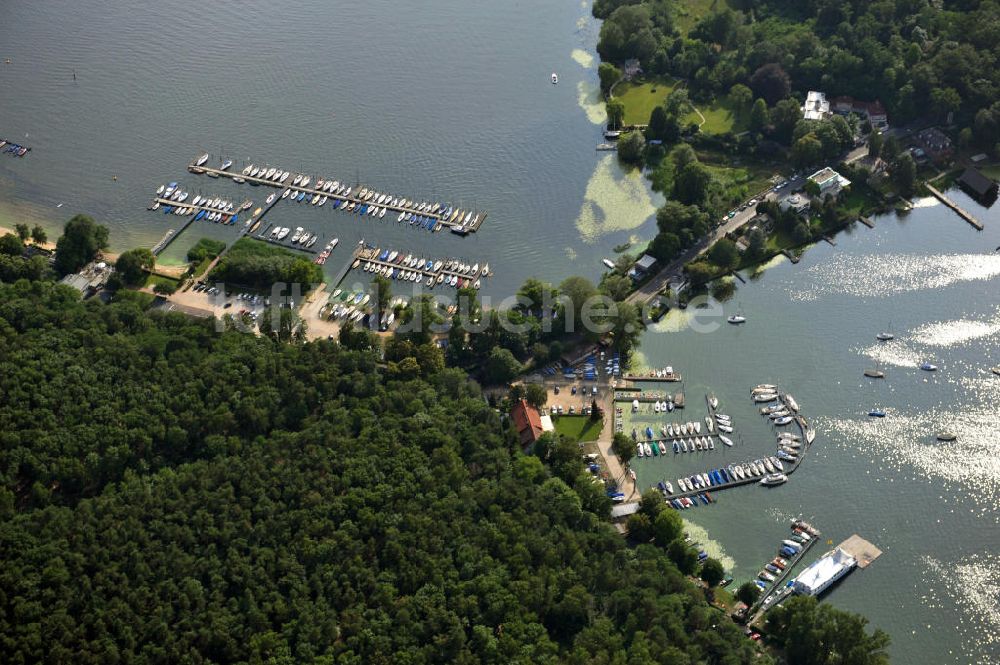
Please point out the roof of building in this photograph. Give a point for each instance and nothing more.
(624, 510)
(824, 176)
(974, 180)
(823, 570)
(645, 262)
(547, 425)
(816, 106)
(870, 108)
(528, 422)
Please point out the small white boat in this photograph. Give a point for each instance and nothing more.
(271, 197)
(555, 78)
(201, 160)
(726, 440)
(772, 479)
(736, 319)
(608, 263)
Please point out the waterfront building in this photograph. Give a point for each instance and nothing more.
(829, 182)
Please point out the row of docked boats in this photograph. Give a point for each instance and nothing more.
(353, 198)
(327, 251)
(768, 471)
(409, 267)
(173, 200)
(684, 502)
(299, 236)
(13, 149)
(789, 549)
(789, 447)
(780, 409)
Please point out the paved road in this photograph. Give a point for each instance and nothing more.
(673, 272)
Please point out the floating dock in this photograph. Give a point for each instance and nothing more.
(455, 222)
(961, 212)
(866, 221)
(862, 551)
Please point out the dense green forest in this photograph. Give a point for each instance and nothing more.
(256, 264)
(171, 494)
(920, 58)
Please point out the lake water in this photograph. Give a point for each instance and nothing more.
(931, 507)
(444, 99)
(432, 100)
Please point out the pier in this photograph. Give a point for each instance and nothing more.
(455, 222)
(671, 377)
(866, 221)
(961, 212)
(440, 276)
(778, 592)
(171, 236)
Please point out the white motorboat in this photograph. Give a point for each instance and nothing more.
(772, 479)
(201, 160)
(555, 78)
(726, 440)
(783, 421)
(736, 319)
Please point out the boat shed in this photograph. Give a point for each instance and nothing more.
(643, 266)
(975, 183)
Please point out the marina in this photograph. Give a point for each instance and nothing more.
(349, 198)
(766, 470)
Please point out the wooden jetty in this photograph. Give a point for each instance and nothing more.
(738, 276)
(164, 241)
(830, 241)
(791, 257)
(171, 236)
(866, 221)
(961, 212)
(456, 225)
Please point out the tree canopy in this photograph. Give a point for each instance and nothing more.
(79, 244)
(175, 494)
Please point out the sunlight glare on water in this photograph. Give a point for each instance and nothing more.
(888, 274)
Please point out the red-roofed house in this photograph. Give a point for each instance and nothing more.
(873, 111)
(528, 422)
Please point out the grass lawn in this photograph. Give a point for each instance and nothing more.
(719, 118)
(640, 98)
(153, 280)
(690, 12)
(578, 428)
(779, 240)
